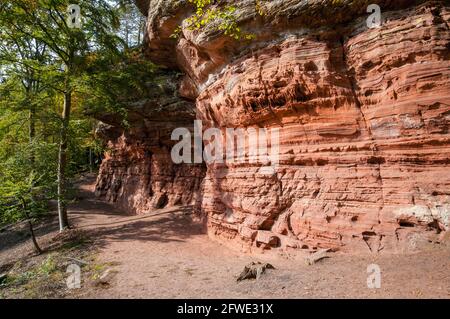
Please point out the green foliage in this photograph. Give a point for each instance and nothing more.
(106, 90)
(221, 17)
(132, 23)
(26, 197)
(27, 167)
(48, 266)
(41, 59)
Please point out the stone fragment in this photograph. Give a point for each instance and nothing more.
(317, 256)
(254, 270)
(105, 278)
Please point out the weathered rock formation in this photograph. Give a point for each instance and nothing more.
(137, 172)
(363, 114)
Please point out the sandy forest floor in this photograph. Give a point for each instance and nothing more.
(164, 254)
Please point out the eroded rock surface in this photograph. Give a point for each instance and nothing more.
(363, 116)
(137, 173)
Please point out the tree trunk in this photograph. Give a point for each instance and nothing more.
(127, 33)
(91, 162)
(33, 238)
(140, 27)
(62, 162)
(30, 226)
(32, 131)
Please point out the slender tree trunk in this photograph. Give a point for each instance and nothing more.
(32, 131)
(91, 162)
(30, 226)
(33, 237)
(91, 151)
(31, 136)
(62, 162)
(139, 31)
(142, 29)
(127, 32)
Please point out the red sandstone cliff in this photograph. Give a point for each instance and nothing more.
(137, 173)
(363, 116)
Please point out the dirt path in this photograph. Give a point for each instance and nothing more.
(164, 254)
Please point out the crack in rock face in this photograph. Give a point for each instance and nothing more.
(363, 117)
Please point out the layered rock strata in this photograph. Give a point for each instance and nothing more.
(363, 116)
(137, 172)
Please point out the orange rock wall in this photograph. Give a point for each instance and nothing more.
(365, 138)
(363, 115)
